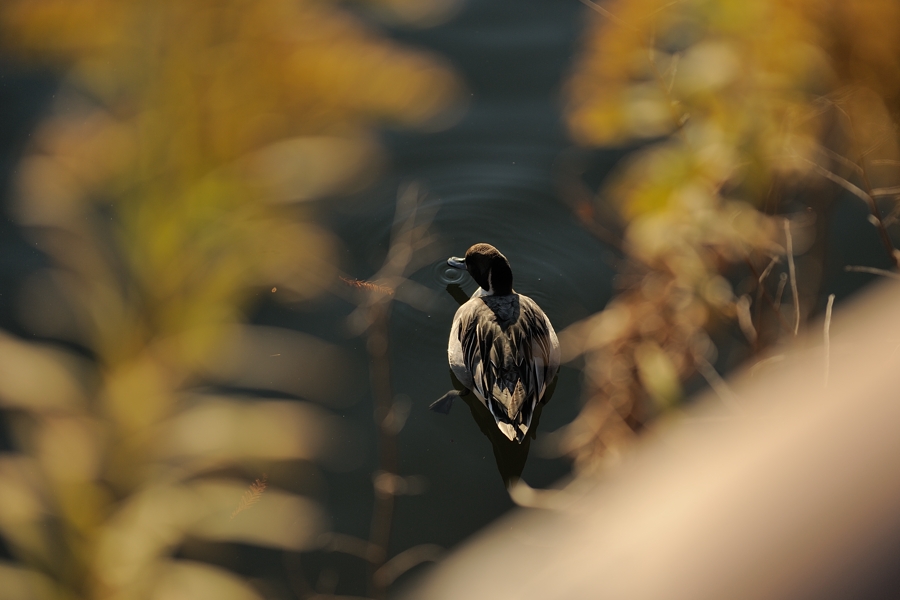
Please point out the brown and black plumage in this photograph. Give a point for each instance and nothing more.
(502, 345)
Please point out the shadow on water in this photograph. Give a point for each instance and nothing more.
(510, 456)
(456, 292)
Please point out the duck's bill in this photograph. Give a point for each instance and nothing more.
(457, 263)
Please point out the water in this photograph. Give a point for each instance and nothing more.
(491, 178)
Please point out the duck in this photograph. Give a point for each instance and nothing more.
(502, 346)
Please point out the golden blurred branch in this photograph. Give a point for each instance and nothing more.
(738, 104)
(167, 185)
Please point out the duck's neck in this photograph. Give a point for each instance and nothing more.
(500, 278)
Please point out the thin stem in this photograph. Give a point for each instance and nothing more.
(873, 271)
(745, 321)
(406, 560)
(715, 381)
(886, 191)
(775, 303)
(867, 196)
(407, 240)
(793, 274)
(678, 117)
(826, 333)
(892, 216)
(596, 7)
(296, 579)
(767, 270)
(873, 204)
(380, 374)
(782, 281)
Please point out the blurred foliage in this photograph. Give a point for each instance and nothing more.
(743, 110)
(166, 186)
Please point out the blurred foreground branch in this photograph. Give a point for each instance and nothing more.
(167, 186)
(409, 237)
(746, 110)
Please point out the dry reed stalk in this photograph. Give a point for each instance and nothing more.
(368, 286)
(251, 496)
(827, 330)
(793, 275)
(873, 271)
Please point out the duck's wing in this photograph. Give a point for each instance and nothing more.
(539, 347)
(509, 351)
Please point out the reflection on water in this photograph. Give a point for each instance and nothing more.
(456, 292)
(449, 275)
(509, 455)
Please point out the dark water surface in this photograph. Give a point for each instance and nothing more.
(489, 178)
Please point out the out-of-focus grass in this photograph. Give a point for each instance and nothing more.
(746, 111)
(167, 187)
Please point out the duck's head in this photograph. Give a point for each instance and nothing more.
(488, 268)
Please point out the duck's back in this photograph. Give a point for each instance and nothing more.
(505, 350)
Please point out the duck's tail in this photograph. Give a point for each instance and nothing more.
(512, 412)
